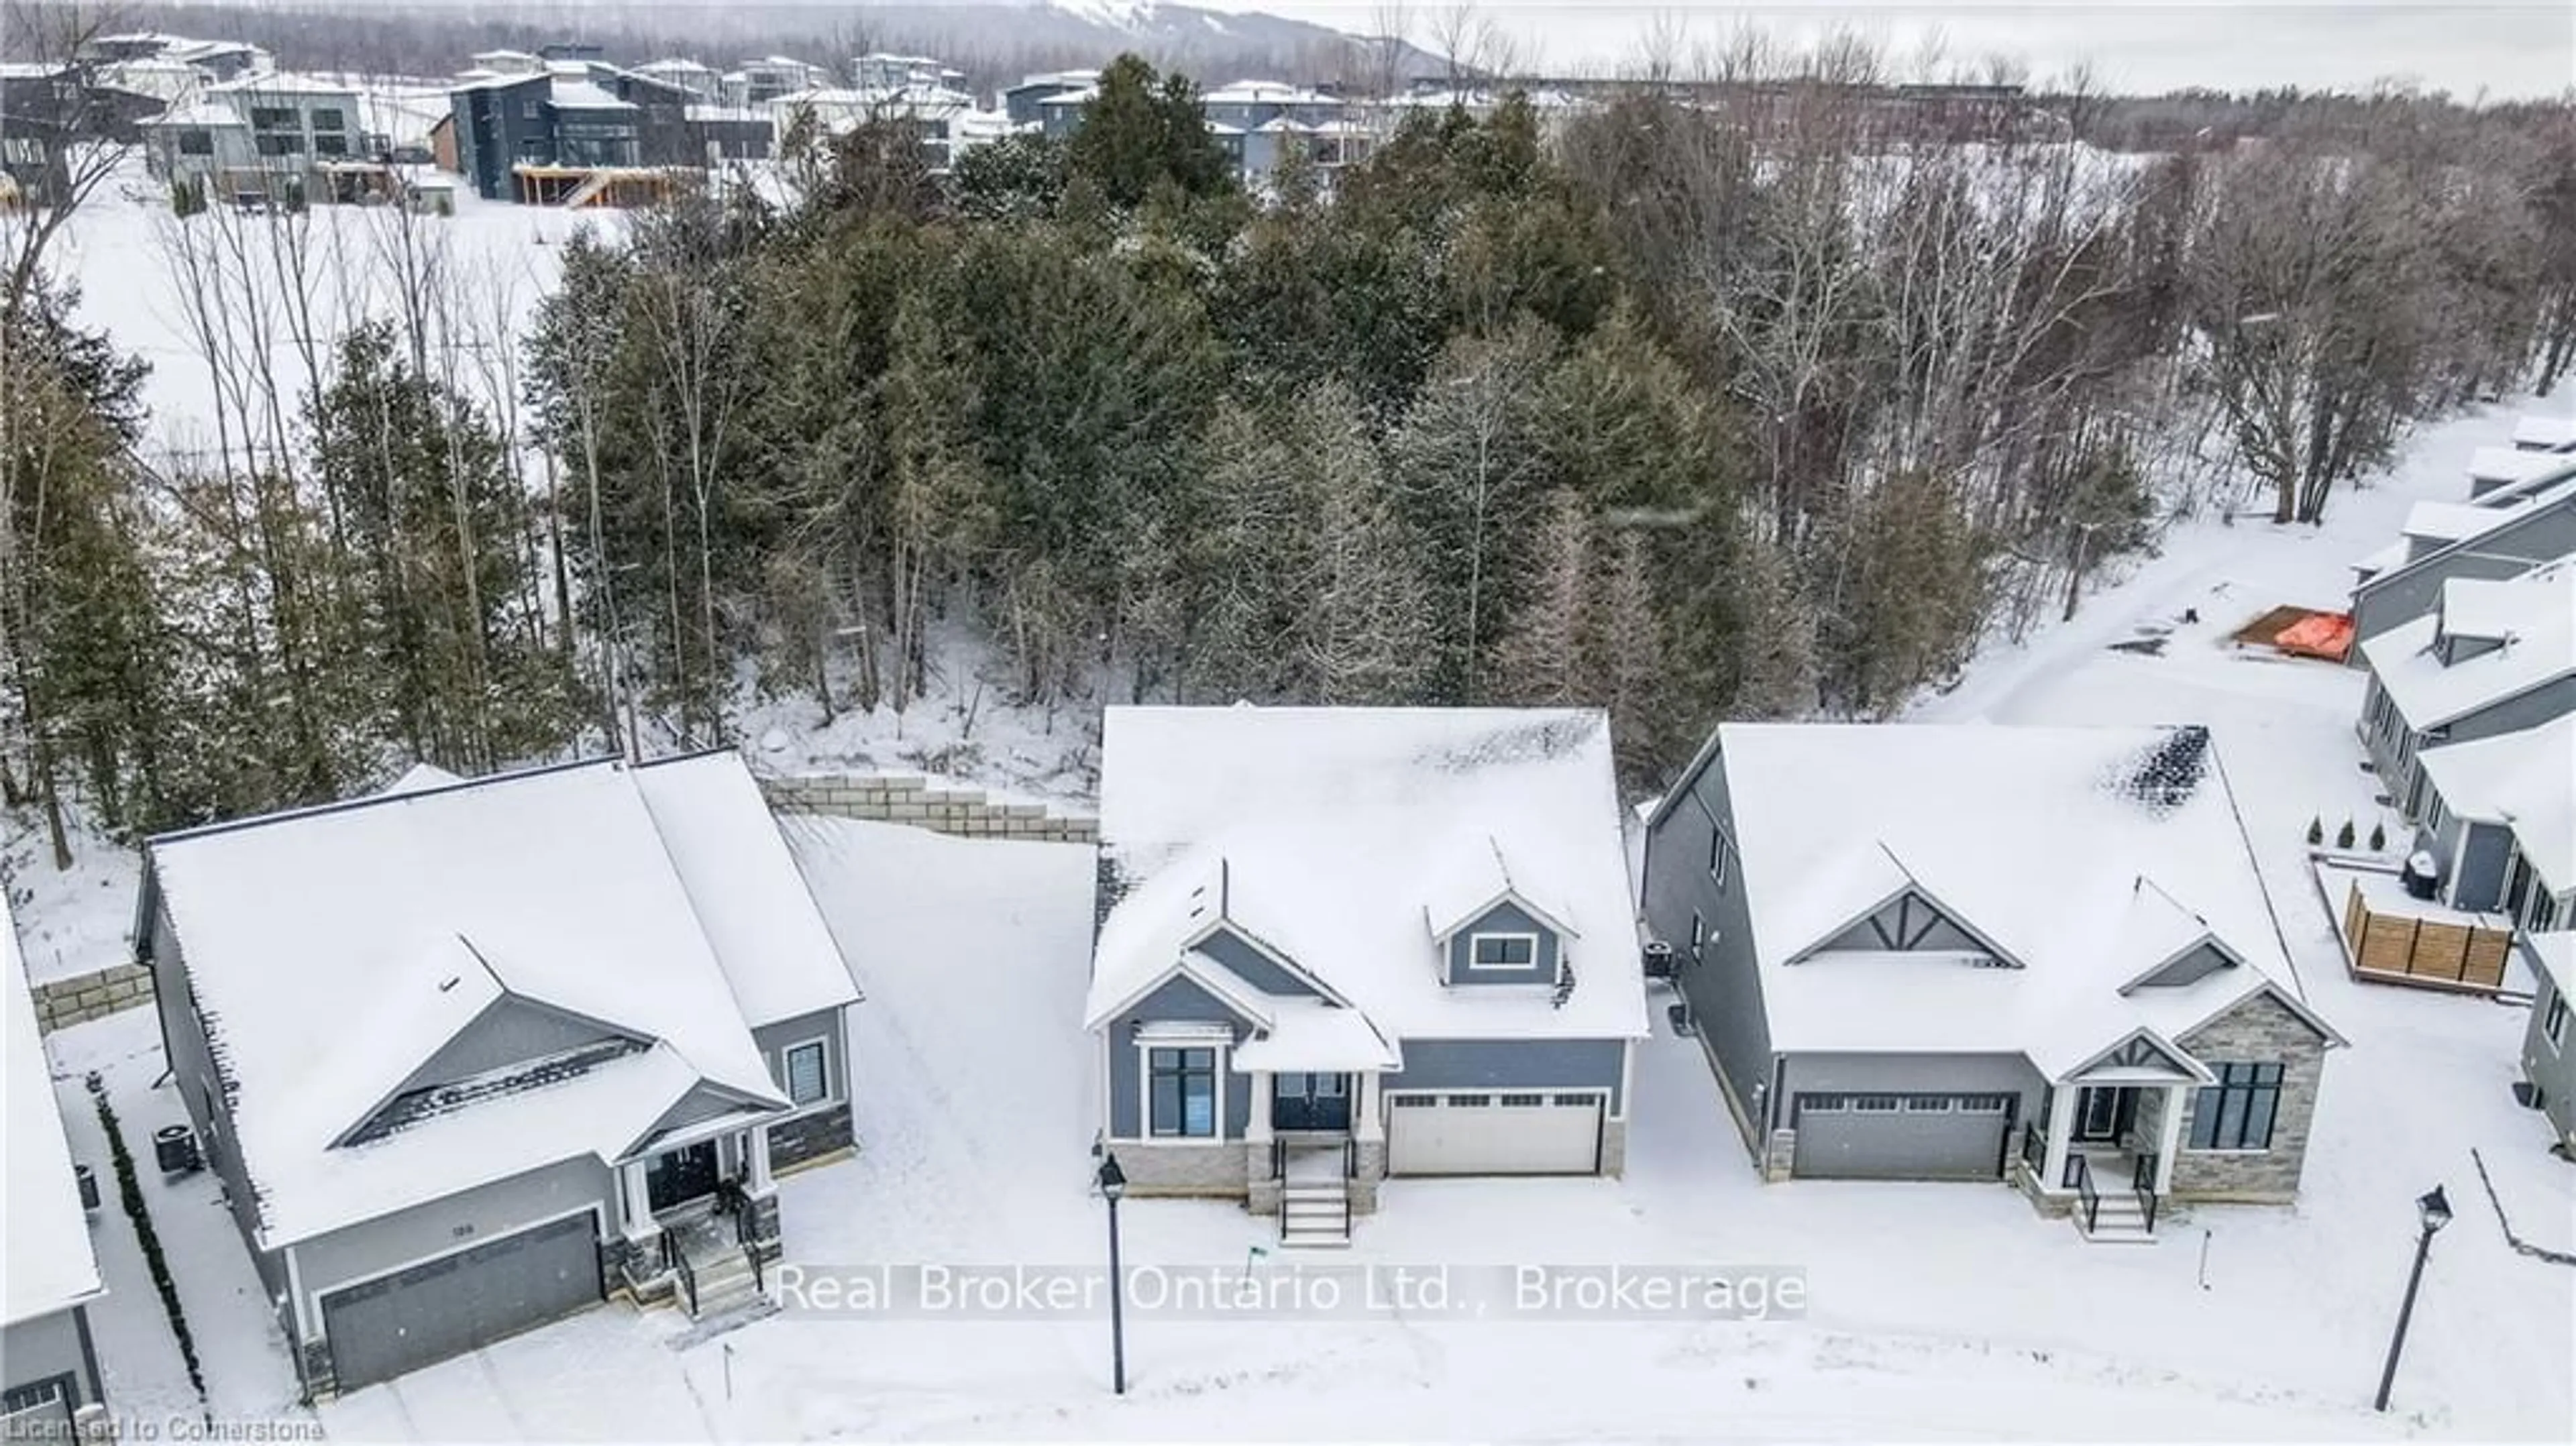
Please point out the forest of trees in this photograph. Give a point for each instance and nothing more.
(1675, 411)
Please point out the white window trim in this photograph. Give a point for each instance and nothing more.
(1717, 857)
(1699, 935)
(786, 1077)
(1477, 938)
(2553, 1022)
(1145, 1094)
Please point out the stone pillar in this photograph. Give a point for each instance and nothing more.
(1780, 1157)
(2061, 1120)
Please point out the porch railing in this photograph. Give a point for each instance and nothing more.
(1278, 1158)
(2089, 1197)
(676, 1259)
(2142, 1180)
(1351, 1159)
(746, 1233)
(2034, 1150)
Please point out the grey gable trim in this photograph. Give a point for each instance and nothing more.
(2476, 542)
(1809, 951)
(704, 1091)
(2146, 1041)
(2286, 1000)
(2178, 962)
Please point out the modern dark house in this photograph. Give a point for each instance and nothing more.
(564, 135)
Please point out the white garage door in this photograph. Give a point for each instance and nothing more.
(1493, 1133)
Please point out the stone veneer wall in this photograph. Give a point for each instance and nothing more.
(2259, 1031)
(809, 1137)
(895, 798)
(61, 1003)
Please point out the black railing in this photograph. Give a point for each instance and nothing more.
(2034, 1150)
(2090, 1198)
(2143, 1180)
(746, 1233)
(1350, 1159)
(676, 1260)
(1278, 1158)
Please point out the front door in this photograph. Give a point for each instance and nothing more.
(676, 1177)
(1310, 1102)
(2103, 1115)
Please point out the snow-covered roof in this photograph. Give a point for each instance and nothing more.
(2079, 859)
(2514, 464)
(1266, 92)
(2536, 612)
(575, 90)
(733, 861)
(283, 82)
(2448, 521)
(1323, 834)
(32, 69)
(2526, 780)
(46, 1253)
(198, 115)
(1311, 1034)
(334, 950)
(2393, 555)
(2553, 431)
(676, 65)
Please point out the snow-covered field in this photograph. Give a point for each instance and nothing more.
(119, 250)
(1934, 1310)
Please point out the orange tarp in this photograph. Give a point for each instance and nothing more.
(2319, 635)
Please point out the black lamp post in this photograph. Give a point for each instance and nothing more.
(1113, 1183)
(2435, 1211)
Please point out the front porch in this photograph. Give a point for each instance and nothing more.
(698, 1219)
(2103, 1154)
(1314, 1145)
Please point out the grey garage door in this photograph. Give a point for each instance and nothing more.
(448, 1306)
(1901, 1137)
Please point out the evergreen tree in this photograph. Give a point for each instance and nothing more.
(1141, 130)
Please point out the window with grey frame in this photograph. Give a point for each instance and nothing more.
(2238, 1112)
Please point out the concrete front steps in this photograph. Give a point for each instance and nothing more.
(1315, 1213)
(2120, 1220)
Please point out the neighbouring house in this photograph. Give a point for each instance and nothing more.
(571, 132)
(1025, 103)
(1339, 944)
(2495, 657)
(1987, 953)
(879, 70)
(2493, 469)
(682, 74)
(946, 120)
(49, 1381)
(2549, 1040)
(202, 142)
(2456, 540)
(268, 135)
(2545, 432)
(40, 117)
(758, 82)
(2500, 824)
(213, 60)
(469, 1056)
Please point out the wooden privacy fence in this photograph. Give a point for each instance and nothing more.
(2405, 949)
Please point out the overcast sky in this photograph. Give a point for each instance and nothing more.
(2511, 48)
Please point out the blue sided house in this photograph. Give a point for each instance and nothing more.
(1342, 944)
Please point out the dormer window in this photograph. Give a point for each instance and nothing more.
(1515, 952)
